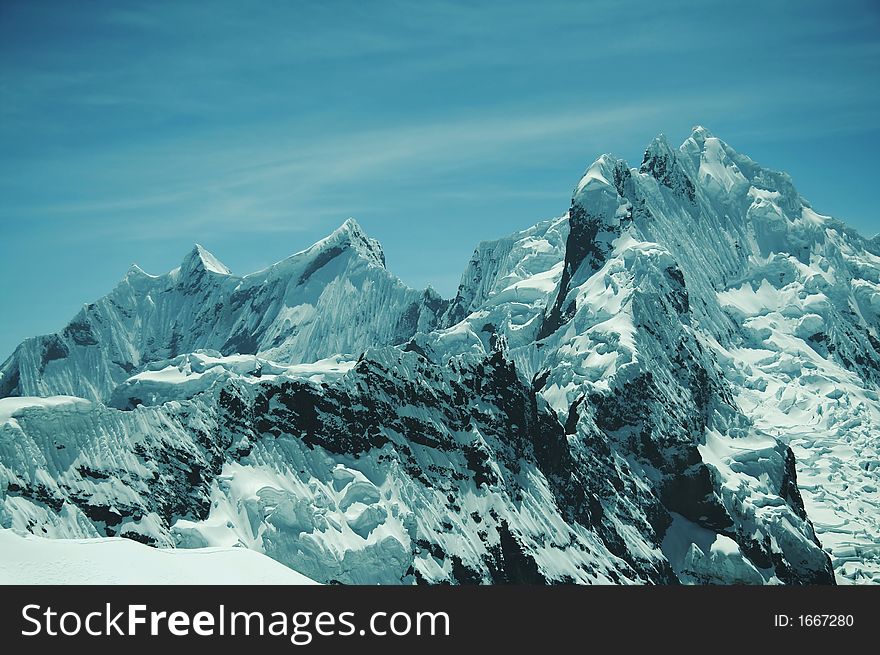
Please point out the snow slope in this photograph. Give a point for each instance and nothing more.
(33, 561)
(335, 297)
(676, 381)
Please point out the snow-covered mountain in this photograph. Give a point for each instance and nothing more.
(676, 381)
(33, 560)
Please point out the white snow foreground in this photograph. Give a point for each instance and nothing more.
(676, 381)
(31, 560)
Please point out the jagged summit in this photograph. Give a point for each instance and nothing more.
(659, 146)
(350, 227)
(351, 234)
(702, 144)
(136, 271)
(200, 259)
(333, 297)
(663, 163)
(699, 134)
(637, 391)
(601, 175)
(703, 165)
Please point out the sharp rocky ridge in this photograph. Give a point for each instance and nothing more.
(674, 382)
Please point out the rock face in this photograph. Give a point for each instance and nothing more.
(674, 382)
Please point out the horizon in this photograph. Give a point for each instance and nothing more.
(132, 133)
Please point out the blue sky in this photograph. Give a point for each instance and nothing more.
(129, 131)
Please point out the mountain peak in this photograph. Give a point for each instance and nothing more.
(694, 146)
(199, 258)
(659, 148)
(351, 234)
(136, 271)
(600, 174)
(702, 146)
(349, 228)
(700, 134)
(659, 145)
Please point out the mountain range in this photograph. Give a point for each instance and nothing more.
(676, 381)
